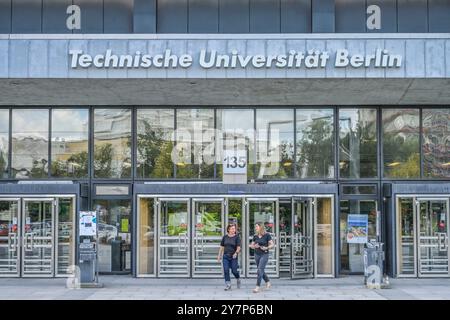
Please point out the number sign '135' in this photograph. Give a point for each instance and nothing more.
(234, 162)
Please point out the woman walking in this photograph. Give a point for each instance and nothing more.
(230, 247)
(262, 243)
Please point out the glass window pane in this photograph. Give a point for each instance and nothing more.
(275, 143)
(155, 129)
(195, 147)
(359, 190)
(112, 143)
(406, 252)
(358, 143)
(114, 235)
(65, 235)
(146, 237)
(436, 143)
(401, 143)
(70, 136)
(324, 236)
(29, 143)
(352, 254)
(315, 143)
(238, 131)
(4, 142)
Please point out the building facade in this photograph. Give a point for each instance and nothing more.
(327, 120)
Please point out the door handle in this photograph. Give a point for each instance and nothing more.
(199, 242)
(443, 241)
(12, 241)
(180, 247)
(28, 239)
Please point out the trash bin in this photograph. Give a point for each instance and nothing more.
(116, 254)
(373, 265)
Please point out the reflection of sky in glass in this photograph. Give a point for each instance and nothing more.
(351, 119)
(31, 123)
(306, 118)
(70, 124)
(281, 120)
(236, 119)
(159, 120)
(4, 121)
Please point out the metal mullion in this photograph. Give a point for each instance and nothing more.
(294, 172)
(174, 172)
(10, 143)
(133, 143)
(421, 142)
(49, 147)
(336, 144)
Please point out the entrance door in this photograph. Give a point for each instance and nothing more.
(302, 239)
(432, 221)
(265, 211)
(9, 237)
(174, 242)
(38, 237)
(208, 229)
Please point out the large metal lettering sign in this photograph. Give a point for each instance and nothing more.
(209, 59)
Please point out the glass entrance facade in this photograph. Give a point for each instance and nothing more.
(37, 236)
(111, 150)
(180, 237)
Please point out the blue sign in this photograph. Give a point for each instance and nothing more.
(357, 228)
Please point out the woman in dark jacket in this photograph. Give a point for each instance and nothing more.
(230, 247)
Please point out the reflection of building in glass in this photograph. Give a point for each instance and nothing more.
(436, 142)
(112, 131)
(30, 153)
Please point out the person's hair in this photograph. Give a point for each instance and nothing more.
(262, 228)
(231, 225)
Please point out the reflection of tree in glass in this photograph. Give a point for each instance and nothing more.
(315, 149)
(154, 152)
(358, 150)
(103, 156)
(78, 163)
(404, 153)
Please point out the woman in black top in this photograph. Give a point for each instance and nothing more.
(230, 246)
(262, 243)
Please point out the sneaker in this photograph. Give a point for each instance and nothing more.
(238, 283)
(256, 290)
(227, 288)
(268, 285)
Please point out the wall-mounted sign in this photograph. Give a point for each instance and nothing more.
(88, 223)
(209, 59)
(357, 228)
(234, 162)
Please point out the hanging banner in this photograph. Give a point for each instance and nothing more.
(357, 228)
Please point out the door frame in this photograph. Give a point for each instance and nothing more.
(192, 233)
(188, 202)
(18, 239)
(416, 198)
(52, 201)
(74, 234)
(247, 235)
(155, 236)
(311, 222)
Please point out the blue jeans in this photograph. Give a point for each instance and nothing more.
(261, 261)
(230, 263)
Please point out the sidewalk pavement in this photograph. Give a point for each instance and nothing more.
(127, 287)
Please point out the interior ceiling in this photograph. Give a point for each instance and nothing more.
(204, 92)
